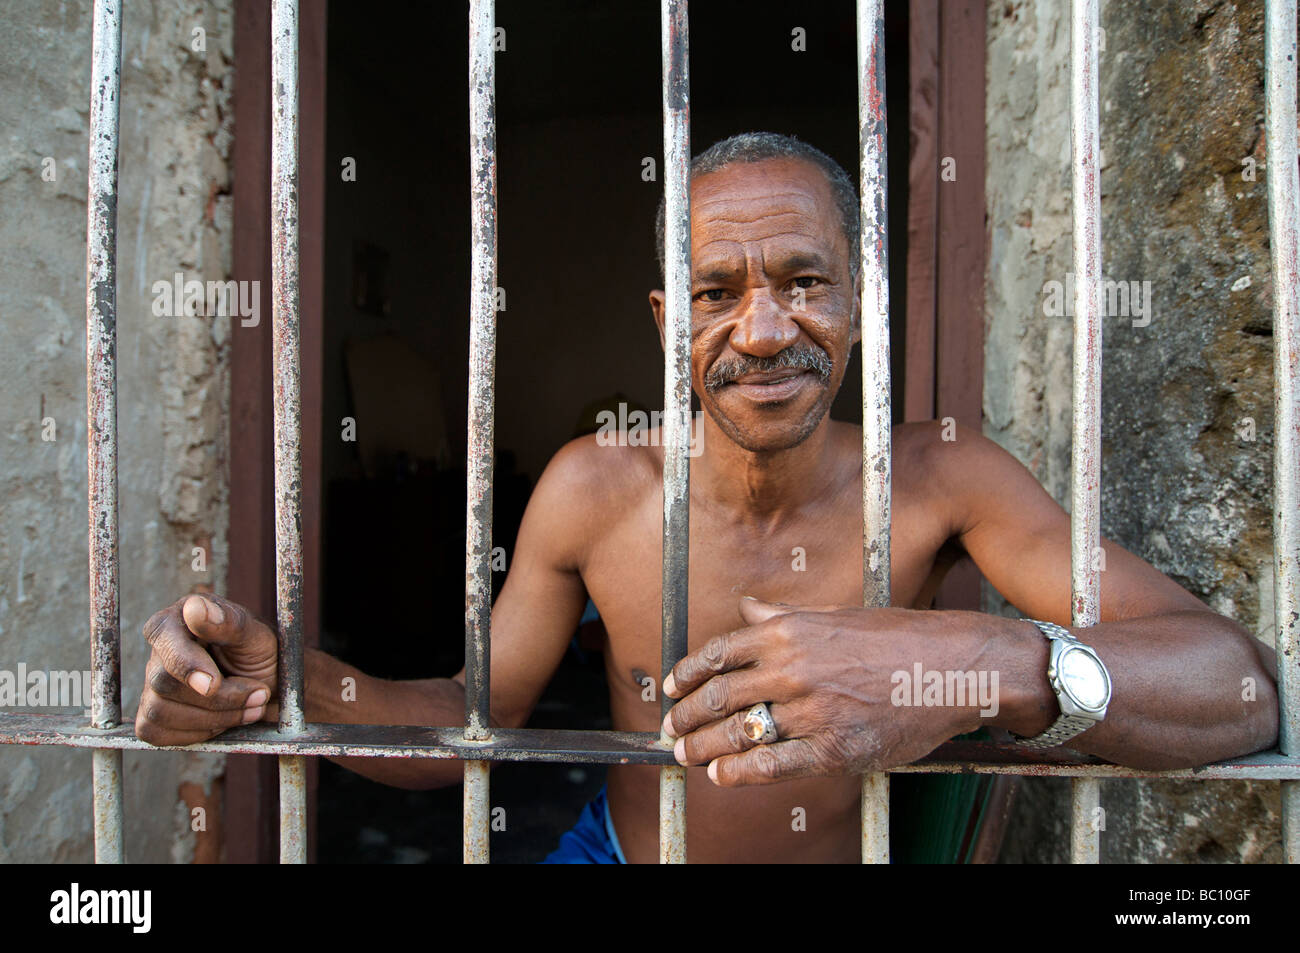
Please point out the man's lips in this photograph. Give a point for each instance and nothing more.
(770, 377)
(771, 385)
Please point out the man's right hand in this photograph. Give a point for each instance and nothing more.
(213, 667)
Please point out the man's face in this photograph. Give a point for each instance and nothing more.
(773, 306)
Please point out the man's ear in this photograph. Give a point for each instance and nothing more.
(657, 305)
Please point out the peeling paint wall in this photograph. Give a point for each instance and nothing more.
(1187, 398)
(173, 384)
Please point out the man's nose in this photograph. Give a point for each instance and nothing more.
(764, 326)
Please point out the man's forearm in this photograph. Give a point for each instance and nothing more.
(365, 700)
(1188, 688)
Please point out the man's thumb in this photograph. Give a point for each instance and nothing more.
(754, 611)
(214, 619)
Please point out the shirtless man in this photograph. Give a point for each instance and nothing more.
(772, 222)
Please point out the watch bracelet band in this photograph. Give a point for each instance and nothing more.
(1066, 726)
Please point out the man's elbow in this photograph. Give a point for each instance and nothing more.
(1263, 720)
(1256, 728)
(1252, 702)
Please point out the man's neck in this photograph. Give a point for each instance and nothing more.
(764, 487)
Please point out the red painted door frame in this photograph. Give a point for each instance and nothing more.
(947, 240)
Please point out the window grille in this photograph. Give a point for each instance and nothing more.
(477, 743)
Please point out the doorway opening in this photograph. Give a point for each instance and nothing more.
(578, 112)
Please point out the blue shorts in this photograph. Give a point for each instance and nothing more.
(592, 840)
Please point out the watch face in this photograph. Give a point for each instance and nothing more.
(1083, 678)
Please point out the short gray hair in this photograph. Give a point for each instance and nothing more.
(757, 146)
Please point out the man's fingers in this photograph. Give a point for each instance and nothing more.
(721, 653)
(766, 764)
(179, 654)
(218, 620)
(165, 721)
(728, 736)
(232, 692)
(734, 649)
(717, 698)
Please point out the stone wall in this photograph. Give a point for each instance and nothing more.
(173, 387)
(1187, 398)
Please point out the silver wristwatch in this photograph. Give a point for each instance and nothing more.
(1081, 683)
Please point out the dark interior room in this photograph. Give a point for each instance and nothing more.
(578, 113)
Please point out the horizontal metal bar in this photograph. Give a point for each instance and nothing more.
(592, 747)
(984, 758)
(380, 741)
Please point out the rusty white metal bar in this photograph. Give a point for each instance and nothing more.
(1085, 437)
(675, 44)
(594, 747)
(1085, 810)
(287, 385)
(293, 810)
(877, 464)
(1284, 229)
(101, 421)
(474, 836)
(482, 415)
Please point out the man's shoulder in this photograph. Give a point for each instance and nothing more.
(942, 445)
(922, 446)
(945, 466)
(594, 473)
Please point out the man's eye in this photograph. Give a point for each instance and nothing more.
(805, 281)
(713, 294)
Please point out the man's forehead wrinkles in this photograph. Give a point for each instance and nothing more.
(749, 208)
(779, 232)
(762, 227)
(728, 254)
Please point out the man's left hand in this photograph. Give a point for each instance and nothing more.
(826, 674)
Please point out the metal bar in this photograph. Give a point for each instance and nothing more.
(877, 465)
(101, 421)
(482, 414)
(1085, 456)
(672, 815)
(675, 44)
(1085, 807)
(293, 810)
(474, 837)
(68, 729)
(106, 783)
(875, 818)
(1284, 235)
(286, 385)
(1291, 821)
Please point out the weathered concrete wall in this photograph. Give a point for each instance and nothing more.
(1187, 417)
(174, 216)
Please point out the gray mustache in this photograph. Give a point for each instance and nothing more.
(805, 357)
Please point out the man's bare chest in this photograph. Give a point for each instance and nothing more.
(814, 561)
